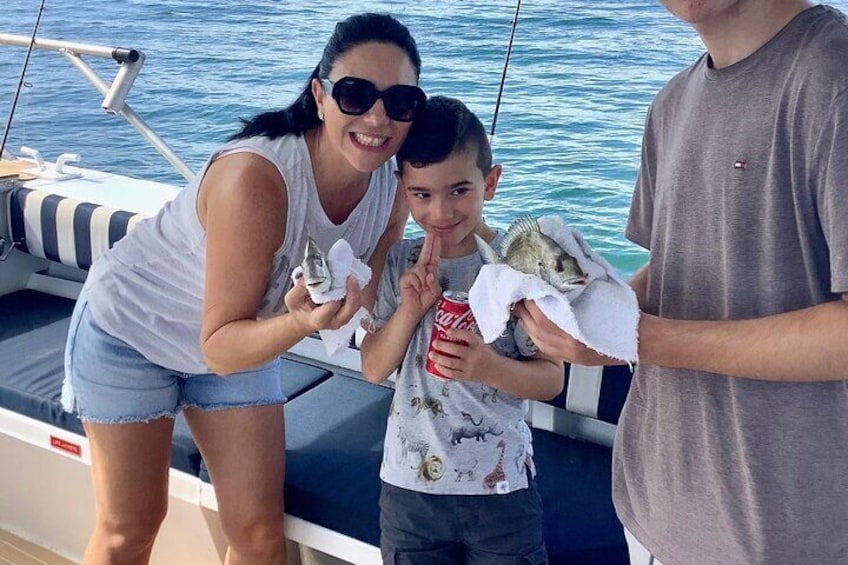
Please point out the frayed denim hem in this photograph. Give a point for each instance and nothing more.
(222, 406)
(128, 419)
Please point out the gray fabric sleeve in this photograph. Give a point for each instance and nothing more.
(831, 173)
(642, 205)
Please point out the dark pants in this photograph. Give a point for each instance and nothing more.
(450, 529)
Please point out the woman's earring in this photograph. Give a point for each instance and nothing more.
(320, 114)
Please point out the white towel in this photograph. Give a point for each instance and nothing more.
(342, 263)
(603, 314)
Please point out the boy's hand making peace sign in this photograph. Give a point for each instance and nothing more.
(419, 286)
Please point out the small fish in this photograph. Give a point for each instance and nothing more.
(525, 248)
(316, 273)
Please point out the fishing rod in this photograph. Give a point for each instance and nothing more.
(21, 81)
(506, 64)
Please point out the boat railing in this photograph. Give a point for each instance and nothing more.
(115, 92)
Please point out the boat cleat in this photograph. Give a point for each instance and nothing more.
(50, 171)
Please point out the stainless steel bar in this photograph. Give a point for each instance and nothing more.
(132, 117)
(114, 101)
(57, 45)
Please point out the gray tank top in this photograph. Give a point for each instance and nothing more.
(148, 289)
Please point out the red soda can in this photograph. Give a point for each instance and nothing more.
(453, 312)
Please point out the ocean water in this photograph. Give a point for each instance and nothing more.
(580, 79)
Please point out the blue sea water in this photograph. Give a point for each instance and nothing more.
(580, 79)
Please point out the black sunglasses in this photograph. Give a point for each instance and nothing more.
(355, 96)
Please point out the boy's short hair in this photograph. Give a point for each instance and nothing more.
(443, 127)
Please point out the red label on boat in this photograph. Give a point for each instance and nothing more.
(71, 448)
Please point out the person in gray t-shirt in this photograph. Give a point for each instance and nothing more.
(733, 444)
(457, 465)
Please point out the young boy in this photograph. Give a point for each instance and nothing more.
(457, 465)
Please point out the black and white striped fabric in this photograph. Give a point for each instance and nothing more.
(597, 392)
(594, 392)
(62, 229)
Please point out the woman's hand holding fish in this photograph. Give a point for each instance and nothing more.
(419, 286)
(553, 341)
(328, 316)
(466, 359)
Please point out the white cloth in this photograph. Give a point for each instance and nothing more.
(341, 263)
(603, 314)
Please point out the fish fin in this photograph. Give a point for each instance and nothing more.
(312, 248)
(487, 253)
(522, 225)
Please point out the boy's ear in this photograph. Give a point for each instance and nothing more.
(492, 182)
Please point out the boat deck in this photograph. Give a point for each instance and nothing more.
(17, 551)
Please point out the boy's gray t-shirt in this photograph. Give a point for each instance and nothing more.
(445, 436)
(742, 199)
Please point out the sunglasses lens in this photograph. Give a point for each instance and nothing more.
(354, 96)
(403, 101)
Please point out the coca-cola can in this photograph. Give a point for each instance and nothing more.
(453, 312)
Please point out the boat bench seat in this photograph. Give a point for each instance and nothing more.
(33, 327)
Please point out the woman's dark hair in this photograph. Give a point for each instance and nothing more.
(302, 114)
(444, 127)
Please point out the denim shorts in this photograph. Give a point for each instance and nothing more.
(109, 382)
(436, 529)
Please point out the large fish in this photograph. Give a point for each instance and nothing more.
(525, 248)
(316, 272)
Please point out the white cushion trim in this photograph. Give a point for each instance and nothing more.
(65, 225)
(32, 223)
(584, 390)
(133, 221)
(100, 231)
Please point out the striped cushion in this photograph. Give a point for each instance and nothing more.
(594, 392)
(63, 229)
(597, 392)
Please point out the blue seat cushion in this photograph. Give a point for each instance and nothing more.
(28, 310)
(297, 377)
(33, 328)
(574, 480)
(334, 446)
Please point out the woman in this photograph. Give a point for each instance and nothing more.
(206, 305)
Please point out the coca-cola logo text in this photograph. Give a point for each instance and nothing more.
(458, 320)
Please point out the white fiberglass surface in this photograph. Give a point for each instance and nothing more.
(116, 191)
